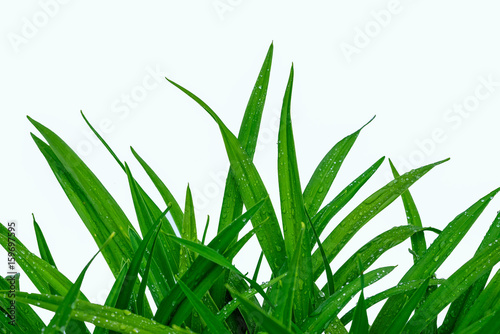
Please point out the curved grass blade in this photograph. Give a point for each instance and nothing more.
(418, 244)
(252, 190)
(323, 217)
(321, 318)
(459, 308)
(454, 286)
(202, 273)
(435, 255)
(62, 316)
(268, 323)
(364, 212)
(213, 324)
(402, 317)
(232, 204)
(96, 207)
(141, 309)
(121, 321)
(360, 323)
(371, 251)
(293, 212)
(324, 175)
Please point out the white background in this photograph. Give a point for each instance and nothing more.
(352, 60)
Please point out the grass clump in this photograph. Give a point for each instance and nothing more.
(195, 286)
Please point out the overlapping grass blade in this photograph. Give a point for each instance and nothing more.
(330, 308)
(399, 322)
(487, 302)
(324, 175)
(96, 207)
(323, 217)
(293, 212)
(40, 272)
(113, 319)
(214, 325)
(252, 190)
(268, 323)
(62, 316)
(459, 308)
(418, 244)
(25, 320)
(454, 286)
(364, 212)
(202, 273)
(396, 290)
(487, 324)
(435, 255)
(371, 251)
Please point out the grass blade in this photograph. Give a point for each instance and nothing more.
(252, 190)
(43, 248)
(93, 203)
(418, 244)
(292, 207)
(188, 232)
(364, 213)
(324, 175)
(435, 255)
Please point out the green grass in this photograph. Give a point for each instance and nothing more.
(196, 286)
